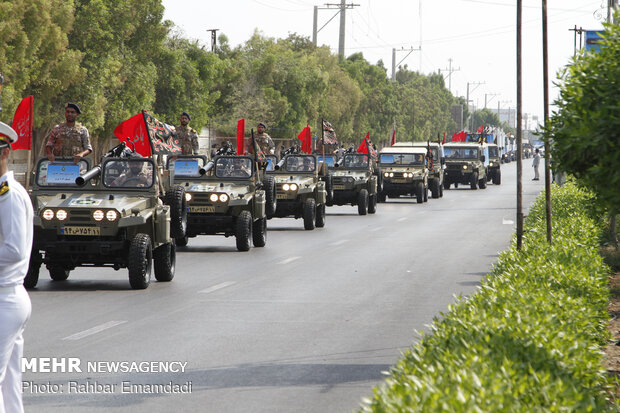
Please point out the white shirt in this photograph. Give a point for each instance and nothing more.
(16, 221)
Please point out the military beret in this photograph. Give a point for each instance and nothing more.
(262, 124)
(74, 106)
(186, 114)
(7, 134)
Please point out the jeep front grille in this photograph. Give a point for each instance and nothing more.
(80, 216)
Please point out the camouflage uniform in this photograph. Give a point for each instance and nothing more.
(263, 141)
(66, 141)
(188, 139)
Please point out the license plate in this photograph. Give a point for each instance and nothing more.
(281, 196)
(202, 208)
(399, 181)
(81, 230)
(338, 186)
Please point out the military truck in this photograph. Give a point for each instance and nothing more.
(223, 198)
(355, 184)
(435, 165)
(299, 190)
(494, 169)
(109, 216)
(465, 164)
(404, 172)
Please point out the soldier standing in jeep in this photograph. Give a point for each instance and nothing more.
(69, 139)
(188, 138)
(263, 140)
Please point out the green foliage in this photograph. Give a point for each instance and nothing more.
(585, 129)
(484, 117)
(529, 339)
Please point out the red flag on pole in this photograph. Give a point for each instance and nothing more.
(134, 130)
(480, 129)
(393, 140)
(306, 140)
(22, 123)
(363, 148)
(241, 137)
(444, 138)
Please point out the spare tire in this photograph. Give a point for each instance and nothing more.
(175, 198)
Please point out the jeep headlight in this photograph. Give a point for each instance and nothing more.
(213, 197)
(464, 166)
(223, 198)
(391, 174)
(111, 215)
(408, 174)
(387, 175)
(48, 214)
(98, 215)
(61, 214)
(188, 196)
(294, 187)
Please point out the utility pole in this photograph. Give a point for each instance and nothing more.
(580, 31)
(213, 38)
(476, 84)
(546, 118)
(492, 96)
(450, 71)
(611, 8)
(519, 132)
(410, 50)
(342, 6)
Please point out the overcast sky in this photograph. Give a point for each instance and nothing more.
(478, 35)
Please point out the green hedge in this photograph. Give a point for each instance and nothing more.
(529, 339)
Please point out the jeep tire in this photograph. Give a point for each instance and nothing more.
(372, 204)
(182, 241)
(362, 202)
(434, 186)
(164, 259)
(309, 212)
(473, 180)
(32, 276)
(243, 230)
(497, 178)
(329, 188)
(178, 211)
(140, 262)
(446, 184)
(419, 192)
(482, 183)
(319, 220)
(259, 232)
(58, 273)
(271, 199)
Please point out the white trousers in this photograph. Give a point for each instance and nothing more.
(14, 313)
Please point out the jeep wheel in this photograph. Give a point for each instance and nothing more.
(482, 183)
(419, 192)
(372, 204)
(319, 219)
(362, 202)
(497, 178)
(178, 211)
(165, 258)
(329, 187)
(32, 276)
(440, 190)
(58, 273)
(425, 194)
(381, 197)
(434, 185)
(309, 213)
(243, 230)
(446, 185)
(182, 241)
(473, 180)
(140, 263)
(270, 196)
(259, 232)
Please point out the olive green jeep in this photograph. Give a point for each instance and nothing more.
(494, 168)
(465, 164)
(435, 167)
(404, 172)
(223, 198)
(112, 215)
(355, 184)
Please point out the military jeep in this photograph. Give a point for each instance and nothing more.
(494, 169)
(404, 172)
(355, 184)
(465, 164)
(223, 198)
(108, 216)
(299, 190)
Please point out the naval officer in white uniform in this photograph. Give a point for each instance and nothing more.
(15, 245)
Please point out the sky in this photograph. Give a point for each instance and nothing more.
(474, 38)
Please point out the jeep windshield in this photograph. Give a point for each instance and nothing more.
(493, 152)
(60, 173)
(460, 153)
(300, 163)
(128, 173)
(416, 159)
(356, 160)
(187, 166)
(233, 167)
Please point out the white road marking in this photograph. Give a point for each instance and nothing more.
(507, 221)
(217, 287)
(401, 219)
(342, 241)
(291, 259)
(94, 330)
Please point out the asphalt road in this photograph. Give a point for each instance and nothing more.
(306, 324)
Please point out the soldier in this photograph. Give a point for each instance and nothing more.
(136, 175)
(263, 141)
(15, 245)
(70, 138)
(188, 138)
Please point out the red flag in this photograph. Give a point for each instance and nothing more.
(134, 130)
(22, 123)
(306, 140)
(459, 137)
(444, 138)
(241, 137)
(480, 129)
(363, 148)
(393, 140)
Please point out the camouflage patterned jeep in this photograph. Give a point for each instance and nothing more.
(109, 216)
(404, 173)
(355, 183)
(223, 198)
(299, 190)
(465, 164)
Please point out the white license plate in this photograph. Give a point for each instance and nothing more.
(202, 208)
(399, 181)
(338, 186)
(281, 196)
(81, 230)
